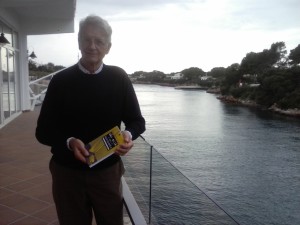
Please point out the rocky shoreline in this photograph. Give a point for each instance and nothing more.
(274, 108)
(287, 112)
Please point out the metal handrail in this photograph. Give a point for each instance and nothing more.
(37, 95)
(134, 212)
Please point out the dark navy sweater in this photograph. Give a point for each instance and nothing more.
(84, 106)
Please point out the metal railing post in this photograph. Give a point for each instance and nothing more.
(150, 186)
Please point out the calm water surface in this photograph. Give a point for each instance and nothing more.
(247, 160)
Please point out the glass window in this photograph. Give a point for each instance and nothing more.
(9, 76)
(8, 35)
(5, 83)
(10, 99)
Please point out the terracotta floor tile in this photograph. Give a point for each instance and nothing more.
(13, 200)
(8, 169)
(25, 174)
(8, 215)
(4, 193)
(40, 168)
(54, 223)
(42, 192)
(47, 214)
(29, 221)
(20, 186)
(6, 180)
(44, 178)
(23, 204)
(5, 159)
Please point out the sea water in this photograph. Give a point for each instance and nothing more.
(246, 160)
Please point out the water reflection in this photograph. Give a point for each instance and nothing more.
(245, 159)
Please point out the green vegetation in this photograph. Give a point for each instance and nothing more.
(37, 71)
(267, 78)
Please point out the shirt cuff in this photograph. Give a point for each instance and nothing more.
(130, 135)
(68, 143)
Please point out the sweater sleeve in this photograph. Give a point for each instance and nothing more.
(133, 119)
(48, 130)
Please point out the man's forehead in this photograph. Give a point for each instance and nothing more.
(93, 27)
(94, 31)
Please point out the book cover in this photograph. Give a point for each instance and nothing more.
(104, 146)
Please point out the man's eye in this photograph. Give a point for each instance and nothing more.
(99, 42)
(87, 41)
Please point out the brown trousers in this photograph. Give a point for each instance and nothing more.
(80, 194)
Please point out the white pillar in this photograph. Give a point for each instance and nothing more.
(24, 73)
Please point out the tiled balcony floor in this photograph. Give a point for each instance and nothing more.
(25, 181)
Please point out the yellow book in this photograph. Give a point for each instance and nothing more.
(104, 146)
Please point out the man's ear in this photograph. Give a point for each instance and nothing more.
(108, 48)
(79, 43)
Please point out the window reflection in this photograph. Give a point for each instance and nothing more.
(5, 86)
(9, 82)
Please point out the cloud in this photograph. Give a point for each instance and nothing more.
(170, 35)
(264, 14)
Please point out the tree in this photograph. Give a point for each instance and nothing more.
(152, 77)
(32, 65)
(232, 77)
(193, 74)
(50, 67)
(258, 63)
(277, 54)
(38, 71)
(217, 72)
(295, 56)
(136, 74)
(249, 63)
(280, 86)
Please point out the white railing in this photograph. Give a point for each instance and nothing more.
(38, 89)
(133, 210)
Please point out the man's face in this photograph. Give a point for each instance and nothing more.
(93, 45)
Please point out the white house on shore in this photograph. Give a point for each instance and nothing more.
(18, 19)
(177, 76)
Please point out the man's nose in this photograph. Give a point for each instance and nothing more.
(92, 44)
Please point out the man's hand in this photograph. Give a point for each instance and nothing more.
(80, 152)
(126, 146)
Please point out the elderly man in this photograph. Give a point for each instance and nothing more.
(83, 102)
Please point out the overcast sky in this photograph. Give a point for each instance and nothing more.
(172, 35)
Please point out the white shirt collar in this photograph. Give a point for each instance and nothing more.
(88, 72)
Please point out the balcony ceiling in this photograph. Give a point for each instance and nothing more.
(43, 16)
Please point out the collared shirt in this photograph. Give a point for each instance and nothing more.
(88, 72)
